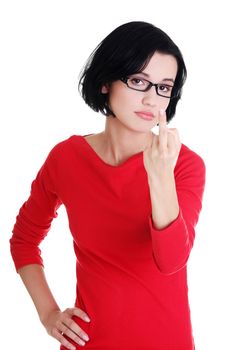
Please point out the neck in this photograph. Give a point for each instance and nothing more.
(120, 143)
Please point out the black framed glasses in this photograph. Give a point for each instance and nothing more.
(140, 84)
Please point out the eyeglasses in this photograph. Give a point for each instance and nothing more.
(140, 84)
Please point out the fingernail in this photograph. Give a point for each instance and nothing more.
(85, 337)
(87, 319)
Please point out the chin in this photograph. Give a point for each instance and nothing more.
(141, 129)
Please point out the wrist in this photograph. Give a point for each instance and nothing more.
(161, 180)
(46, 315)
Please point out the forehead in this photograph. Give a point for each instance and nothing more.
(161, 66)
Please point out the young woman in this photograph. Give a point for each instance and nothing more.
(133, 200)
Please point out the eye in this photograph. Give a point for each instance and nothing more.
(164, 88)
(136, 81)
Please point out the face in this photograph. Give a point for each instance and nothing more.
(126, 103)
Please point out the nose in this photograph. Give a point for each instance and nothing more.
(150, 97)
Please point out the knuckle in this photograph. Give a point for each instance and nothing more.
(162, 154)
(52, 332)
(65, 312)
(65, 329)
(79, 330)
(83, 335)
(163, 131)
(80, 313)
(69, 322)
(58, 323)
(65, 343)
(60, 337)
(78, 340)
(76, 311)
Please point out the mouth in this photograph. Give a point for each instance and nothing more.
(145, 115)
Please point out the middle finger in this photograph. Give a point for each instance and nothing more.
(162, 129)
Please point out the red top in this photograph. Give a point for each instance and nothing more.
(131, 277)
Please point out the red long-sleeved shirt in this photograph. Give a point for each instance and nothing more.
(131, 277)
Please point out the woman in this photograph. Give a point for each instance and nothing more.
(132, 197)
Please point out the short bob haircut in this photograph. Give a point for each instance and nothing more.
(126, 51)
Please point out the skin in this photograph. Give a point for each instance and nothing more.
(127, 134)
(124, 136)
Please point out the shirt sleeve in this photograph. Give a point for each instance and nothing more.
(34, 218)
(172, 244)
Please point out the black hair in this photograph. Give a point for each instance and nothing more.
(126, 51)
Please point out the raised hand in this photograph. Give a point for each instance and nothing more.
(161, 156)
(159, 161)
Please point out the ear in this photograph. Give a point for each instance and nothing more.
(105, 89)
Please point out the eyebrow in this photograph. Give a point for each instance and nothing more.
(165, 79)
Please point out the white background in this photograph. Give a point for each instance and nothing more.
(44, 45)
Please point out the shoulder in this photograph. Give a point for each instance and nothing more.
(66, 143)
(188, 155)
(64, 147)
(64, 151)
(190, 162)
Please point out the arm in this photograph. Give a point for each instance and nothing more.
(159, 160)
(54, 320)
(164, 200)
(34, 280)
(176, 190)
(32, 225)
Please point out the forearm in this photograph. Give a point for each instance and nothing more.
(35, 281)
(170, 240)
(58, 324)
(164, 201)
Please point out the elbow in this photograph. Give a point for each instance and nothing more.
(170, 267)
(24, 253)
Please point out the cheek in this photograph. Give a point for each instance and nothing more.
(119, 100)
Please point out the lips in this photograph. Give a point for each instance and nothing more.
(145, 115)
